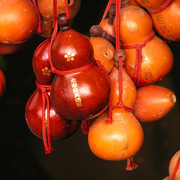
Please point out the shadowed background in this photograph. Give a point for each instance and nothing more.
(22, 153)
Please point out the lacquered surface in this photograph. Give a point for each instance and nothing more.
(92, 92)
(71, 50)
(60, 128)
(40, 63)
(16, 24)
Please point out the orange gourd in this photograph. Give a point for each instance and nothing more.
(167, 23)
(129, 89)
(174, 166)
(166, 19)
(155, 63)
(134, 3)
(151, 4)
(135, 25)
(166, 178)
(46, 10)
(119, 140)
(18, 21)
(153, 103)
(103, 51)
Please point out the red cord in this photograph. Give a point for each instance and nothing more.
(175, 169)
(106, 12)
(46, 134)
(39, 28)
(67, 9)
(164, 6)
(138, 46)
(54, 12)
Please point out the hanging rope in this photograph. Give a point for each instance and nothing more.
(164, 6)
(138, 46)
(175, 169)
(39, 28)
(46, 134)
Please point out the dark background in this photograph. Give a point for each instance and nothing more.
(22, 153)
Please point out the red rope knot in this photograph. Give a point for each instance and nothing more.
(164, 6)
(46, 134)
(131, 164)
(86, 125)
(121, 105)
(139, 46)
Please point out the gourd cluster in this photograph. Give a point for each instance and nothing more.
(103, 83)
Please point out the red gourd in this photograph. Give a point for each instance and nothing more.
(18, 21)
(60, 128)
(104, 52)
(153, 103)
(81, 89)
(42, 117)
(118, 140)
(46, 10)
(41, 66)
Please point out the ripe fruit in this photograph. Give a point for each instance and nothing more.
(153, 103)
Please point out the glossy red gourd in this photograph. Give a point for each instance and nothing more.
(41, 66)
(118, 140)
(18, 21)
(60, 128)
(153, 103)
(83, 93)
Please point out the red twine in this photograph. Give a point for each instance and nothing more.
(39, 28)
(86, 125)
(175, 169)
(164, 6)
(106, 12)
(46, 135)
(138, 46)
(131, 164)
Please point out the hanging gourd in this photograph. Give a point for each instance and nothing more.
(41, 116)
(18, 22)
(104, 52)
(80, 89)
(119, 140)
(46, 10)
(144, 63)
(153, 103)
(165, 15)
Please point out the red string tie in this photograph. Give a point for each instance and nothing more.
(46, 135)
(175, 169)
(164, 6)
(138, 46)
